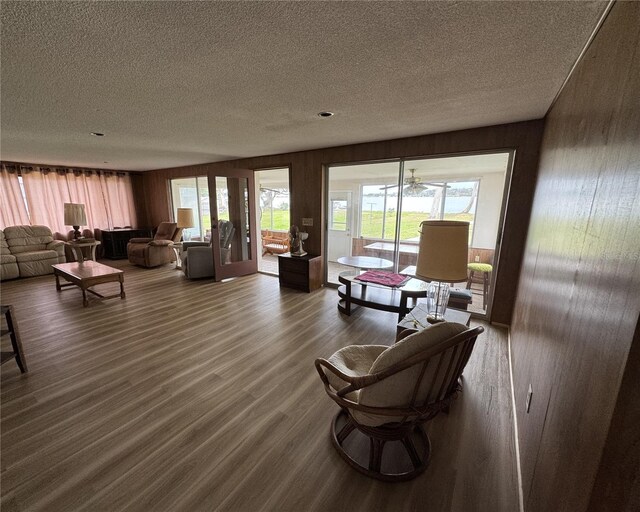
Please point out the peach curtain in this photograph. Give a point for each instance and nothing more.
(85, 188)
(13, 211)
(108, 197)
(118, 197)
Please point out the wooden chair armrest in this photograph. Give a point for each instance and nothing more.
(355, 383)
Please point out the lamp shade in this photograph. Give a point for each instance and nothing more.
(74, 214)
(185, 218)
(443, 252)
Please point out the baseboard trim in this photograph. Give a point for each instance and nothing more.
(515, 425)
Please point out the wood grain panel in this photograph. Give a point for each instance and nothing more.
(307, 186)
(197, 395)
(617, 486)
(578, 297)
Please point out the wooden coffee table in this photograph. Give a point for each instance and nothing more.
(87, 274)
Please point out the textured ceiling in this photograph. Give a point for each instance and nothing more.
(177, 83)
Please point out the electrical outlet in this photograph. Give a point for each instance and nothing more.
(477, 259)
(527, 405)
(306, 221)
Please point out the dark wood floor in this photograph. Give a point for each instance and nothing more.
(195, 395)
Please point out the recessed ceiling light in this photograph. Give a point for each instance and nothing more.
(325, 113)
(97, 134)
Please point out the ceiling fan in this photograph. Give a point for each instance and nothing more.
(414, 184)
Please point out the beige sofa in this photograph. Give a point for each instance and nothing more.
(31, 249)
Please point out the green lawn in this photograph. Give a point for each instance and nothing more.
(281, 221)
(371, 222)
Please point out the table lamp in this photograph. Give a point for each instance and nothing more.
(185, 220)
(74, 215)
(442, 259)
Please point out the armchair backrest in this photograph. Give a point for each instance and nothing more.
(226, 233)
(166, 231)
(422, 369)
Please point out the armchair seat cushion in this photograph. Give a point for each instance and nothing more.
(354, 361)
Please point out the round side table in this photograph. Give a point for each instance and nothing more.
(78, 246)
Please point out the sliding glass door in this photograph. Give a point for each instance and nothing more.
(387, 202)
(193, 193)
(274, 216)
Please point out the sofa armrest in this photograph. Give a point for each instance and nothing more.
(58, 246)
(140, 240)
(198, 262)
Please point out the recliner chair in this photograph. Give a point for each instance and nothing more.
(156, 251)
(197, 257)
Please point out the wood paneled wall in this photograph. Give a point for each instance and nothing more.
(578, 298)
(308, 184)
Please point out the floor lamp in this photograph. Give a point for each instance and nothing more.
(442, 259)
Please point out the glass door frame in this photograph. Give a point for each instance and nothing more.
(235, 268)
(403, 161)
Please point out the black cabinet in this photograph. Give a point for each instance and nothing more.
(114, 242)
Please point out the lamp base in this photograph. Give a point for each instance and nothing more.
(437, 300)
(76, 232)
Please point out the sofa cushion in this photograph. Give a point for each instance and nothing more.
(36, 256)
(36, 268)
(27, 238)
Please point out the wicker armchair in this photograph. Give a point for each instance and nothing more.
(387, 393)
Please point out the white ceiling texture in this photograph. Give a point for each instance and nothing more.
(178, 83)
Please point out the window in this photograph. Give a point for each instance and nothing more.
(193, 193)
(439, 200)
(378, 210)
(273, 185)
